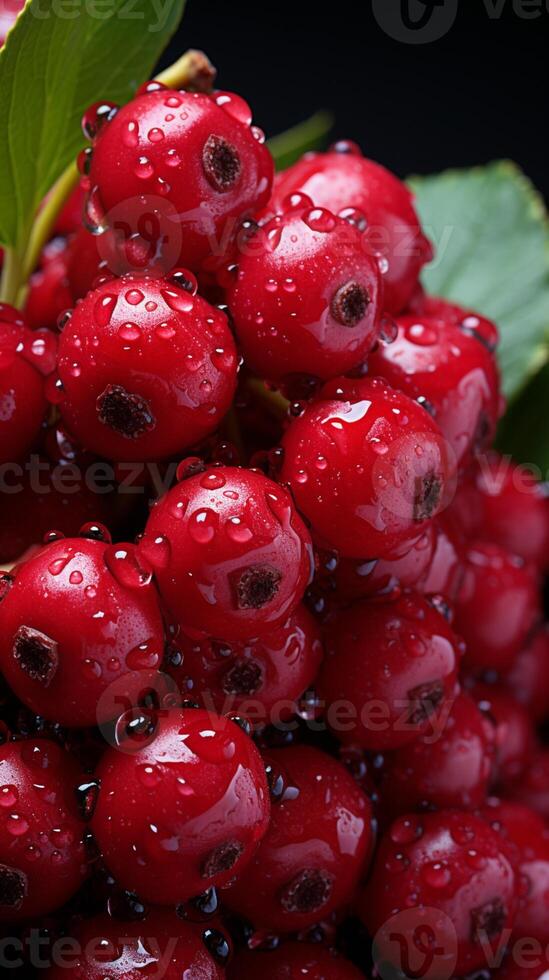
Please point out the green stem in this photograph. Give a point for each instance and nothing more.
(193, 70)
(273, 401)
(11, 276)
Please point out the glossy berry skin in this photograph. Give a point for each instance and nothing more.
(433, 359)
(394, 665)
(307, 297)
(196, 159)
(70, 627)
(497, 606)
(346, 183)
(533, 788)
(186, 811)
(446, 571)
(22, 399)
(315, 850)
(293, 961)
(49, 291)
(147, 369)
(514, 734)
(261, 680)
(352, 579)
(240, 556)
(161, 945)
(445, 873)
(368, 468)
(468, 321)
(42, 857)
(505, 504)
(528, 832)
(92, 258)
(528, 678)
(452, 770)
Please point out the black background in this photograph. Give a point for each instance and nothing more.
(477, 94)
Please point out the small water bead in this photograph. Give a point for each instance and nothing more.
(178, 300)
(95, 532)
(397, 863)
(76, 578)
(134, 297)
(130, 332)
(297, 201)
(96, 117)
(235, 106)
(202, 526)
(8, 796)
(149, 776)
(188, 467)
(319, 219)
(213, 481)
(421, 334)
(463, 835)
(155, 550)
(144, 169)
(87, 795)
(388, 330)
(16, 825)
(237, 531)
(354, 216)
(156, 135)
(95, 219)
(346, 146)
(91, 669)
(127, 567)
(56, 567)
(162, 186)
(258, 134)
(405, 830)
(143, 657)
(130, 133)
(104, 309)
(41, 352)
(172, 158)
(51, 536)
(436, 875)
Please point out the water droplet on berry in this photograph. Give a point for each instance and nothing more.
(155, 550)
(8, 796)
(156, 135)
(202, 526)
(319, 219)
(94, 213)
(130, 133)
(104, 309)
(235, 106)
(126, 566)
(130, 332)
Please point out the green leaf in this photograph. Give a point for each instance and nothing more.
(309, 135)
(524, 432)
(492, 237)
(60, 58)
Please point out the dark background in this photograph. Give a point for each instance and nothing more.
(478, 94)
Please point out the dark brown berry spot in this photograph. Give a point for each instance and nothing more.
(6, 582)
(128, 415)
(257, 586)
(483, 431)
(223, 858)
(428, 491)
(221, 163)
(349, 304)
(13, 888)
(309, 891)
(244, 677)
(36, 654)
(488, 920)
(424, 701)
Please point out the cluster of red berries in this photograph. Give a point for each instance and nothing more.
(301, 713)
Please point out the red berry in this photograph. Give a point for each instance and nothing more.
(49, 293)
(187, 161)
(293, 961)
(307, 297)
(452, 769)
(528, 832)
(446, 571)
(22, 399)
(315, 850)
(92, 258)
(77, 618)
(240, 556)
(528, 678)
(514, 734)
(352, 186)
(467, 320)
(69, 219)
(391, 671)
(260, 680)
(497, 606)
(161, 946)
(147, 368)
(186, 811)
(42, 857)
(444, 877)
(452, 370)
(505, 504)
(368, 468)
(533, 788)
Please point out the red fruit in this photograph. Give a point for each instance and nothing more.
(533, 788)
(92, 258)
(260, 680)
(77, 618)
(240, 556)
(307, 297)
(458, 316)
(497, 606)
(49, 295)
(389, 672)
(506, 504)
(446, 571)
(348, 184)
(189, 162)
(350, 579)
(528, 832)
(368, 468)
(42, 857)
(452, 770)
(9, 9)
(147, 368)
(160, 946)
(69, 218)
(293, 961)
(24, 358)
(452, 370)
(528, 678)
(514, 734)
(444, 877)
(186, 811)
(315, 850)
